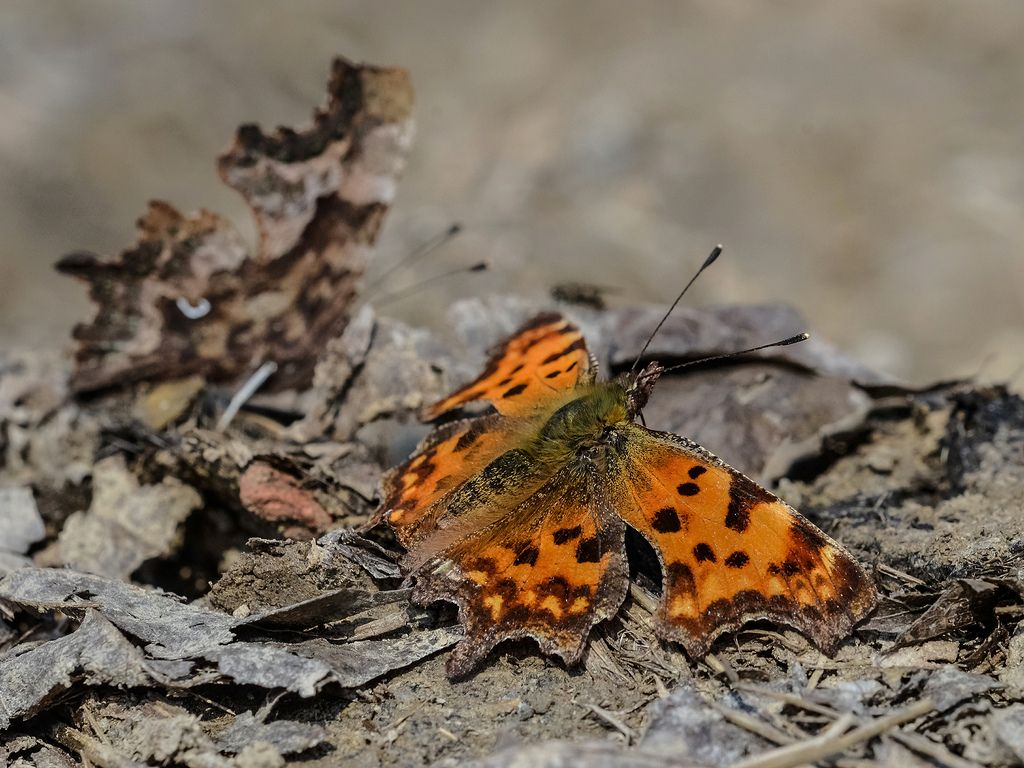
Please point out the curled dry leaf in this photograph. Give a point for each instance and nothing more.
(189, 297)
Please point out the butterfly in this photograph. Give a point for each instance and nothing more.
(518, 515)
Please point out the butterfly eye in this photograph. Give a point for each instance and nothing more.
(611, 435)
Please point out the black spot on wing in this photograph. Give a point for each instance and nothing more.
(562, 535)
(688, 489)
(577, 344)
(527, 555)
(588, 551)
(467, 439)
(744, 495)
(696, 472)
(737, 559)
(507, 588)
(556, 586)
(704, 553)
(807, 535)
(666, 521)
(518, 389)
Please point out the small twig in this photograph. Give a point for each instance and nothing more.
(830, 743)
(268, 706)
(789, 698)
(402, 718)
(447, 734)
(211, 702)
(90, 718)
(646, 600)
(816, 675)
(925, 746)
(888, 570)
(721, 667)
(242, 396)
(613, 721)
(599, 649)
(755, 726)
(660, 687)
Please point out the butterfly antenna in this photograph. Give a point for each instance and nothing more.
(481, 266)
(784, 343)
(431, 245)
(707, 263)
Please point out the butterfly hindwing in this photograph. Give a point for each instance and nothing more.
(547, 355)
(731, 552)
(550, 569)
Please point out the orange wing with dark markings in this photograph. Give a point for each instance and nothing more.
(550, 569)
(731, 552)
(547, 355)
(446, 459)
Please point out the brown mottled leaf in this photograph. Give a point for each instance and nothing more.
(189, 297)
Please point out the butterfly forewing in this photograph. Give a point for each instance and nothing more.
(731, 551)
(550, 570)
(450, 456)
(546, 356)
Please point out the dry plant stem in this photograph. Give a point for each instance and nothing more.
(898, 574)
(613, 721)
(789, 698)
(913, 741)
(755, 726)
(91, 750)
(252, 384)
(829, 743)
(643, 597)
(925, 746)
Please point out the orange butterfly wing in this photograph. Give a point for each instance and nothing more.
(550, 569)
(545, 357)
(446, 459)
(731, 552)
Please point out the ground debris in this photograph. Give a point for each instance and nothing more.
(286, 736)
(21, 525)
(171, 629)
(96, 653)
(20, 751)
(127, 523)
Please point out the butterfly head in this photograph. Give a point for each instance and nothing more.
(638, 389)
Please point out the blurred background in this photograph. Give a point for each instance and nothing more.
(861, 161)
